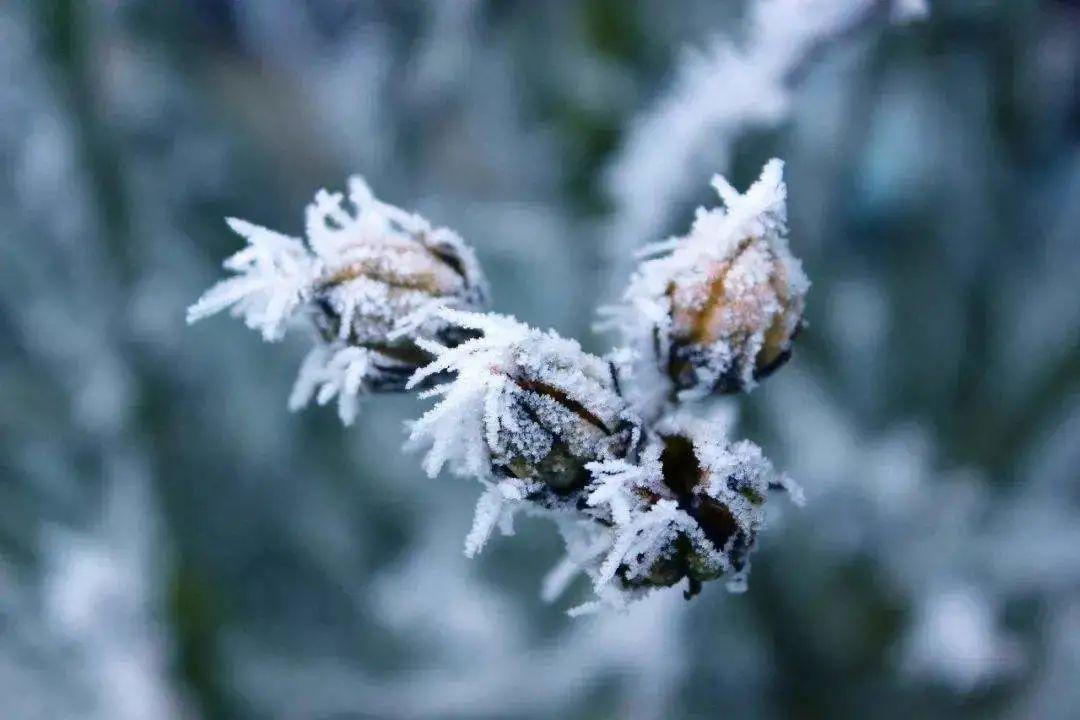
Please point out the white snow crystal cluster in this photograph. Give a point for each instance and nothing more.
(368, 279)
(646, 489)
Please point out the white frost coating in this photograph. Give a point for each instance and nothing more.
(514, 389)
(736, 473)
(331, 371)
(586, 543)
(642, 540)
(274, 277)
(370, 278)
(641, 517)
(545, 426)
(496, 508)
(716, 95)
(618, 483)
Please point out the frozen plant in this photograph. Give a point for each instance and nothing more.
(720, 308)
(646, 488)
(366, 283)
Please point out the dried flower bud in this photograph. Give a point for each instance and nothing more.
(385, 272)
(722, 308)
(644, 495)
(369, 282)
(725, 502)
(739, 324)
(689, 508)
(523, 404)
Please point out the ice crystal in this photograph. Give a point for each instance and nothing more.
(336, 370)
(619, 484)
(274, 276)
(496, 508)
(690, 507)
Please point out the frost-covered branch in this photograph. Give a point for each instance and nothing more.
(716, 95)
(645, 491)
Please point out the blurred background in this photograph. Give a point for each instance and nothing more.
(174, 544)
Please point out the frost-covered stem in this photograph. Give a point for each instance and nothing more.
(645, 491)
(717, 94)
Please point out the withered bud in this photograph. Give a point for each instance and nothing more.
(701, 519)
(369, 279)
(720, 308)
(523, 404)
(385, 273)
(734, 321)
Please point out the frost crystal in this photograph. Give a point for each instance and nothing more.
(645, 493)
(335, 370)
(496, 508)
(370, 281)
(275, 276)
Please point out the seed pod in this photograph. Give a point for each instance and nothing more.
(368, 280)
(523, 404)
(724, 499)
(691, 508)
(737, 324)
(385, 272)
(720, 308)
(550, 436)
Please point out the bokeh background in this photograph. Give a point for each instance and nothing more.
(174, 544)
